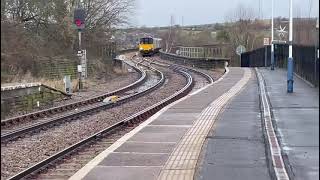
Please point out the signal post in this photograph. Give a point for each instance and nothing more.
(79, 20)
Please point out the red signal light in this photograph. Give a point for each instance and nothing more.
(78, 22)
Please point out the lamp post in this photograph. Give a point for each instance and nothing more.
(316, 44)
(272, 46)
(290, 58)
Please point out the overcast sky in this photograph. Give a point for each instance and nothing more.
(158, 12)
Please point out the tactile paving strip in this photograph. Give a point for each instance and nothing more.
(182, 161)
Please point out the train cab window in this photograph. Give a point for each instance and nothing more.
(146, 41)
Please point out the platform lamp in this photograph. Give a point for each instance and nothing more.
(290, 58)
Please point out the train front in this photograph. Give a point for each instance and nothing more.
(146, 46)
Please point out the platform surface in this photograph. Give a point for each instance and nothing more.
(147, 153)
(217, 134)
(297, 117)
(234, 148)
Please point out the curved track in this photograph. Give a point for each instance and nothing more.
(147, 86)
(45, 113)
(201, 79)
(66, 162)
(103, 136)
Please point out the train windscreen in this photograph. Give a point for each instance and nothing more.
(146, 41)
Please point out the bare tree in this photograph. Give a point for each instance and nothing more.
(107, 13)
(38, 28)
(56, 16)
(170, 35)
(239, 31)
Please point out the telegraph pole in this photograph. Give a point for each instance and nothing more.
(182, 22)
(272, 46)
(316, 44)
(290, 58)
(259, 9)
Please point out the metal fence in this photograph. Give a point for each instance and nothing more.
(305, 58)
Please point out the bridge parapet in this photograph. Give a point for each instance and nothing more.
(200, 62)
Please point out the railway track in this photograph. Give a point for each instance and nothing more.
(45, 113)
(201, 79)
(212, 73)
(64, 163)
(149, 85)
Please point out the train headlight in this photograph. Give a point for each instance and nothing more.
(140, 49)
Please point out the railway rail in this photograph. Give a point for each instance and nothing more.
(200, 75)
(66, 162)
(59, 109)
(104, 135)
(76, 114)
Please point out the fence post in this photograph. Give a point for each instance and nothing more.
(265, 56)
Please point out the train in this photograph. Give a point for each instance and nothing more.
(148, 46)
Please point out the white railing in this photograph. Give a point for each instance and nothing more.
(200, 52)
(19, 86)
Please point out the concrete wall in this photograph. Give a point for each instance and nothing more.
(26, 99)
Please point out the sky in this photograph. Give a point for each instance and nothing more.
(152, 13)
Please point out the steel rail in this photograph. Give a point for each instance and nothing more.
(38, 114)
(208, 77)
(142, 115)
(16, 133)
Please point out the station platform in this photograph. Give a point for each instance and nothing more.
(235, 147)
(297, 120)
(213, 133)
